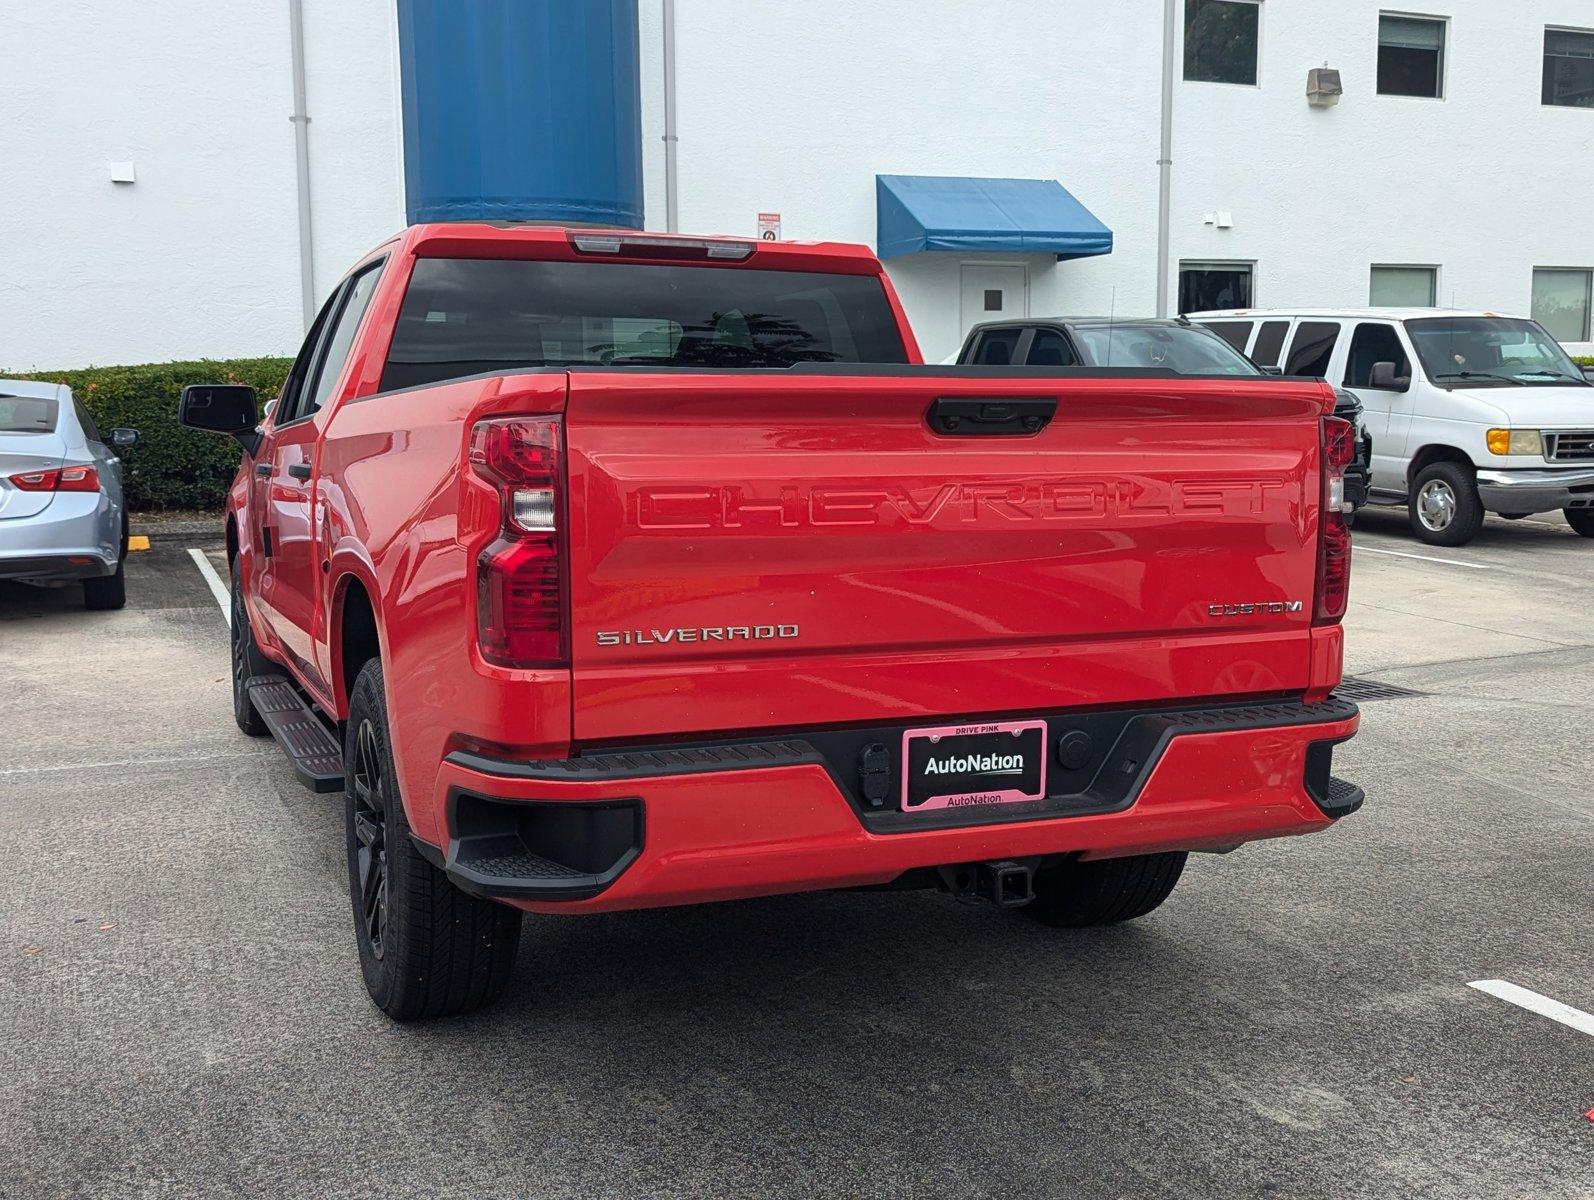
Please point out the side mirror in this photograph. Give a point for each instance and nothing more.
(1385, 379)
(123, 438)
(225, 408)
(1274, 370)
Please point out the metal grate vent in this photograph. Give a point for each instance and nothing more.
(1354, 687)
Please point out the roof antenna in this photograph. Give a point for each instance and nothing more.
(1452, 347)
(1112, 310)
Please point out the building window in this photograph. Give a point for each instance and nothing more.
(1220, 41)
(1404, 287)
(1208, 285)
(1411, 56)
(1561, 302)
(1569, 68)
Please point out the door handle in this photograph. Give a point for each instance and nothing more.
(300, 470)
(263, 469)
(993, 416)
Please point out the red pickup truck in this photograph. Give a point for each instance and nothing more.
(603, 570)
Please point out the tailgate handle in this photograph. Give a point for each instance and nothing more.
(990, 416)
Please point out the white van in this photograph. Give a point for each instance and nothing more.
(1469, 412)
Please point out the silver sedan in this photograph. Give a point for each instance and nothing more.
(61, 512)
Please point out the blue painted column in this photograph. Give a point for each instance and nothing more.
(523, 110)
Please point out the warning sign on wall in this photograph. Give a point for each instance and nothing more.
(769, 227)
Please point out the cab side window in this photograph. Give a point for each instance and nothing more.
(1312, 348)
(1374, 344)
(997, 347)
(294, 384)
(340, 339)
(1049, 348)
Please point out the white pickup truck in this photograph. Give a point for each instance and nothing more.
(1469, 412)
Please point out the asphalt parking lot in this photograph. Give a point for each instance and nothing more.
(181, 1012)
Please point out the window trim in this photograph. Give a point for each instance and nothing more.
(1588, 305)
(1261, 36)
(1432, 268)
(1544, 55)
(1444, 54)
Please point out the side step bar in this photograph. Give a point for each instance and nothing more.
(311, 747)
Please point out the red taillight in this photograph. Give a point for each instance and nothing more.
(58, 479)
(520, 602)
(1333, 555)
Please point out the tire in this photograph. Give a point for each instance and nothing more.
(1581, 520)
(427, 949)
(107, 593)
(1104, 892)
(247, 662)
(1445, 509)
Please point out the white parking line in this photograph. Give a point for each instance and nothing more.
(218, 589)
(1449, 562)
(1533, 1002)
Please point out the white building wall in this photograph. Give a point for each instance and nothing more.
(799, 115)
(791, 108)
(199, 257)
(1485, 184)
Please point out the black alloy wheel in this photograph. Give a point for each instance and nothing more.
(370, 832)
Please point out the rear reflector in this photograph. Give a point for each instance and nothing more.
(83, 478)
(520, 577)
(1334, 546)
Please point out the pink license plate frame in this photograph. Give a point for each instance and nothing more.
(978, 738)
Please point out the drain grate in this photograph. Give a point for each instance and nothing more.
(1354, 687)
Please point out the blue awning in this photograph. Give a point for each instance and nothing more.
(950, 212)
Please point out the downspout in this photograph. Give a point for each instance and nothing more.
(301, 149)
(1165, 161)
(672, 211)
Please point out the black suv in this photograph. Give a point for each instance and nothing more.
(1173, 345)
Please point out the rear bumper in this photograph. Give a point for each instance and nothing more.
(84, 565)
(685, 825)
(77, 537)
(1536, 489)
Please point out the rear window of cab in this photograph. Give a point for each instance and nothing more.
(465, 317)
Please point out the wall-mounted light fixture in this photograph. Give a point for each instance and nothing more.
(1323, 88)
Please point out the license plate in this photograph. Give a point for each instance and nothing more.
(955, 766)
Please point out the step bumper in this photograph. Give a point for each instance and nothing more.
(693, 824)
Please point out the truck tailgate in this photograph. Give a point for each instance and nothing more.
(768, 550)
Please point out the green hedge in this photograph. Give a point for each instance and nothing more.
(1583, 360)
(171, 467)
